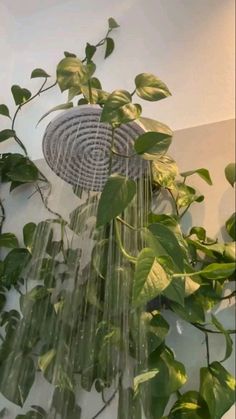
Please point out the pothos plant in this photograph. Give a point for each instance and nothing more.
(187, 272)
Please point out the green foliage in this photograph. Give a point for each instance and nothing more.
(203, 173)
(20, 94)
(71, 73)
(4, 111)
(217, 388)
(119, 191)
(150, 279)
(191, 405)
(152, 143)
(230, 226)
(150, 87)
(8, 240)
(230, 173)
(38, 73)
(6, 134)
(110, 45)
(118, 108)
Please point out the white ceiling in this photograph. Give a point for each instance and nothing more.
(28, 7)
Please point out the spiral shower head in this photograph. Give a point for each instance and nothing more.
(76, 146)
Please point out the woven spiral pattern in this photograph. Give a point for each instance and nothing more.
(76, 146)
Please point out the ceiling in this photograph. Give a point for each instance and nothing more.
(28, 7)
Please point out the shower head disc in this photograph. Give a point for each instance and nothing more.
(76, 146)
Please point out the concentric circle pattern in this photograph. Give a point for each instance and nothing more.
(76, 146)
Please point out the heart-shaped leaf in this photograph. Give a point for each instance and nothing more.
(217, 387)
(8, 240)
(6, 134)
(203, 173)
(20, 94)
(39, 72)
(152, 142)
(110, 45)
(230, 173)
(4, 111)
(112, 23)
(71, 73)
(119, 192)
(150, 87)
(150, 279)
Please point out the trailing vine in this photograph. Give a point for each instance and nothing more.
(183, 273)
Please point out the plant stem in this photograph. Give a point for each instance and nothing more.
(184, 212)
(175, 204)
(41, 90)
(106, 404)
(127, 224)
(122, 155)
(205, 330)
(127, 255)
(3, 215)
(207, 349)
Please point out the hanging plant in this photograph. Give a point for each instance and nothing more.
(101, 324)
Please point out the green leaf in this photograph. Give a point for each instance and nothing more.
(189, 405)
(118, 108)
(82, 101)
(153, 125)
(64, 106)
(150, 87)
(8, 240)
(150, 279)
(64, 404)
(218, 270)
(14, 263)
(200, 232)
(20, 94)
(90, 51)
(228, 340)
(81, 216)
(95, 83)
(176, 291)
(217, 387)
(231, 226)
(152, 142)
(156, 328)
(28, 234)
(166, 243)
(70, 54)
(171, 376)
(45, 360)
(203, 173)
(186, 195)
(230, 252)
(192, 311)
(110, 45)
(71, 73)
(118, 192)
(39, 72)
(6, 134)
(112, 23)
(17, 375)
(164, 170)
(230, 173)
(24, 172)
(143, 377)
(4, 111)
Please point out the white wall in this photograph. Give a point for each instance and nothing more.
(188, 43)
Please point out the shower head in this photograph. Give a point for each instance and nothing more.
(76, 146)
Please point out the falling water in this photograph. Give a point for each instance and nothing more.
(77, 326)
